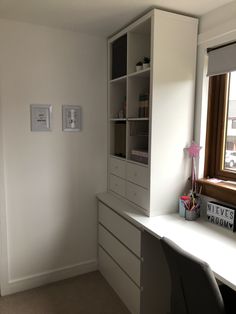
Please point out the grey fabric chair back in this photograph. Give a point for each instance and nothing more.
(194, 289)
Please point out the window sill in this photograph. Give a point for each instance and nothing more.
(222, 190)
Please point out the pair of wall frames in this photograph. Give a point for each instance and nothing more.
(41, 118)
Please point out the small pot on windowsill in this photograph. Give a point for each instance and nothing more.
(146, 63)
(139, 66)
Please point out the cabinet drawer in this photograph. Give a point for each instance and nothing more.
(117, 185)
(138, 174)
(137, 195)
(121, 228)
(117, 167)
(127, 260)
(120, 282)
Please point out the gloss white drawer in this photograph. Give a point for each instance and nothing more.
(120, 228)
(117, 185)
(137, 195)
(127, 260)
(137, 174)
(117, 167)
(120, 282)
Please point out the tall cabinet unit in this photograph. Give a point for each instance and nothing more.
(151, 109)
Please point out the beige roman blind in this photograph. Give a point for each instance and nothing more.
(222, 59)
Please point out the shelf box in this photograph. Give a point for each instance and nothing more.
(139, 86)
(119, 57)
(118, 138)
(118, 99)
(139, 44)
(140, 156)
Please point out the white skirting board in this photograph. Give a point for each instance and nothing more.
(47, 277)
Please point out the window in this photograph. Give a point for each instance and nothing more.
(220, 153)
(221, 137)
(220, 157)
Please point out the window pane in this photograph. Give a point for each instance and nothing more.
(230, 143)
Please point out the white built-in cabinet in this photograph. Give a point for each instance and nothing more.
(119, 255)
(150, 119)
(131, 260)
(150, 111)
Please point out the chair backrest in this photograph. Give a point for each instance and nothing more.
(194, 289)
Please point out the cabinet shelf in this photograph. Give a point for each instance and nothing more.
(137, 163)
(141, 73)
(117, 157)
(117, 119)
(118, 79)
(138, 119)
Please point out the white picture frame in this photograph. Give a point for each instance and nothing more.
(41, 116)
(71, 118)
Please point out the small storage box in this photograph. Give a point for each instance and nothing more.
(221, 215)
(139, 156)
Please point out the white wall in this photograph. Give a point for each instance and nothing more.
(218, 17)
(49, 180)
(216, 28)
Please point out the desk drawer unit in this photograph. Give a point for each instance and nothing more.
(138, 175)
(137, 195)
(126, 259)
(120, 282)
(117, 167)
(123, 230)
(117, 185)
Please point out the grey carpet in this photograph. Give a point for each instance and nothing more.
(86, 294)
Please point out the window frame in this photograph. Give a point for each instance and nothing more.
(225, 190)
(216, 129)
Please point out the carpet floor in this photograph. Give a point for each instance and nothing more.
(85, 294)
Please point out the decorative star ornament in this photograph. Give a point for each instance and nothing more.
(193, 150)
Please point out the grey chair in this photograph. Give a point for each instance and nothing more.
(194, 289)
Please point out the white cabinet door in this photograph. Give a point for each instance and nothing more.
(117, 167)
(137, 195)
(121, 228)
(117, 185)
(127, 260)
(120, 282)
(138, 174)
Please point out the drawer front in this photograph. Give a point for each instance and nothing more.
(127, 260)
(120, 282)
(137, 195)
(138, 174)
(117, 185)
(117, 167)
(121, 228)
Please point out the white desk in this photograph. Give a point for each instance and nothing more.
(211, 243)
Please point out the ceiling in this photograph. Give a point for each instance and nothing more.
(97, 17)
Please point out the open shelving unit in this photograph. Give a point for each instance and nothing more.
(150, 109)
(129, 92)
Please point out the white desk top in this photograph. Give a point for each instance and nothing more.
(211, 243)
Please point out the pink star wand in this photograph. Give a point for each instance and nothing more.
(193, 151)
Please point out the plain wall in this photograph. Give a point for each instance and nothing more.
(49, 179)
(218, 17)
